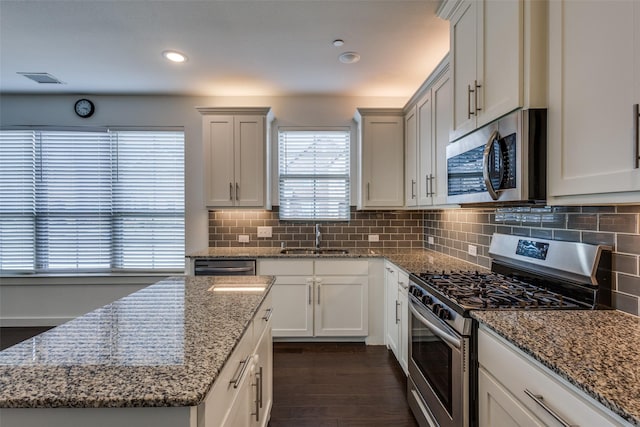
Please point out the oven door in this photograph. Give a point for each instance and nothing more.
(438, 363)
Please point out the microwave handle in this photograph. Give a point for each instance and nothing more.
(485, 165)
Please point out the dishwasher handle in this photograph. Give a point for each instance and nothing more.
(208, 267)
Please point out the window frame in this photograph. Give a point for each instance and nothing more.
(351, 164)
(113, 268)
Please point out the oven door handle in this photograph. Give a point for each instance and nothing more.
(437, 330)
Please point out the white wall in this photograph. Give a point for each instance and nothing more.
(48, 301)
(57, 110)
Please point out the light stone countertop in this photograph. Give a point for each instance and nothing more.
(597, 351)
(411, 260)
(161, 346)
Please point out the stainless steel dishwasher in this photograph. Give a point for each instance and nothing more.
(225, 267)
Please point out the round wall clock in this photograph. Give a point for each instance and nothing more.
(84, 108)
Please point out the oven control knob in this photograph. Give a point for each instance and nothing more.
(444, 314)
(426, 299)
(437, 308)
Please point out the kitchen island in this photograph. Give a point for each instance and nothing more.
(150, 358)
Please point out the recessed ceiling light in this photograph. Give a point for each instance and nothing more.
(338, 42)
(349, 58)
(174, 56)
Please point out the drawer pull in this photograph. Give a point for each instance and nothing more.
(267, 314)
(237, 380)
(539, 399)
(636, 132)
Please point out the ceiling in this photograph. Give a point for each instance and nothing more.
(234, 47)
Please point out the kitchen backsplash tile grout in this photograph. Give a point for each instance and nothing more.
(616, 226)
(453, 230)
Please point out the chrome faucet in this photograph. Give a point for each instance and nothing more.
(318, 236)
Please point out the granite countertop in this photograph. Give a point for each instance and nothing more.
(598, 351)
(411, 260)
(161, 346)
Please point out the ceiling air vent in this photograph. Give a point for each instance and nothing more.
(43, 78)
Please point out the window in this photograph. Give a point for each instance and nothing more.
(83, 201)
(314, 174)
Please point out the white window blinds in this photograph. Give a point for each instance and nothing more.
(314, 174)
(149, 200)
(17, 200)
(91, 201)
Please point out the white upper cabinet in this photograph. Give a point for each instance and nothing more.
(427, 127)
(236, 153)
(381, 158)
(594, 90)
(497, 62)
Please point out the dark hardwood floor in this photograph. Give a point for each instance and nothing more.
(13, 335)
(338, 385)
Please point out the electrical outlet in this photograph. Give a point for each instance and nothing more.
(473, 250)
(265, 231)
(430, 240)
(243, 238)
(374, 238)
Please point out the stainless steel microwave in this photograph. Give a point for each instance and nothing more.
(504, 161)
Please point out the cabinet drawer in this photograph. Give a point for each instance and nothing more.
(285, 267)
(262, 318)
(221, 396)
(342, 267)
(517, 373)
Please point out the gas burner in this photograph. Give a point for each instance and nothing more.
(476, 290)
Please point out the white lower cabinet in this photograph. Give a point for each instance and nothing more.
(242, 394)
(516, 390)
(397, 313)
(318, 298)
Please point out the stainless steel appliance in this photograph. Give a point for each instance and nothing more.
(526, 274)
(504, 161)
(224, 267)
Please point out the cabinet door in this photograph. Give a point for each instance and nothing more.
(403, 315)
(593, 85)
(292, 306)
(391, 308)
(464, 47)
(341, 306)
(411, 158)
(264, 363)
(498, 408)
(425, 144)
(441, 100)
(249, 160)
(499, 59)
(243, 407)
(383, 162)
(219, 164)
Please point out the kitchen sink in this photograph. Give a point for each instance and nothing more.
(312, 251)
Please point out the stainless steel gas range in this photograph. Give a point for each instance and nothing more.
(526, 274)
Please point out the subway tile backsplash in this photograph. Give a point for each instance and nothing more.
(395, 229)
(453, 230)
(616, 226)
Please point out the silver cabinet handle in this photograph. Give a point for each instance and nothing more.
(469, 92)
(413, 188)
(261, 387)
(540, 401)
(244, 365)
(310, 292)
(485, 165)
(230, 191)
(267, 314)
(636, 132)
(431, 180)
(397, 304)
(318, 294)
(237, 191)
(475, 97)
(257, 400)
(368, 191)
